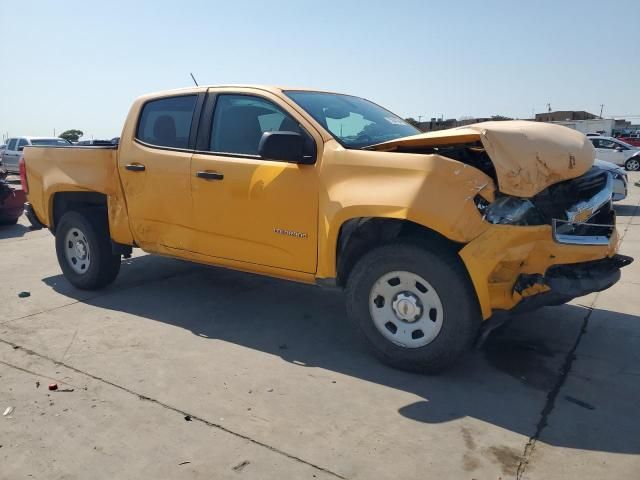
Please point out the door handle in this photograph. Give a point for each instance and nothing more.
(135, 167)
(210, 175)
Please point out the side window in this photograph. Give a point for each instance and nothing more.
(166, 122)
(240, 120)
(22, 143)
(607, 144)
(12, 144)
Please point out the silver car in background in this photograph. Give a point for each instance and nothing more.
(15, 145)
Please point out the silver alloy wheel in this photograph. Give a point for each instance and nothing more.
(76, 249)
(633, 164)
(406, 309)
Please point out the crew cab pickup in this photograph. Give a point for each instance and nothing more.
(429, 234)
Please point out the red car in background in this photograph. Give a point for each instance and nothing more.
(632, 140)
(11, 201)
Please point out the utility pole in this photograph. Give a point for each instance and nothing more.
(601, 108)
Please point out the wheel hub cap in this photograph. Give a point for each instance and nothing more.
(77, 252)
(81, 250)
(407, 307)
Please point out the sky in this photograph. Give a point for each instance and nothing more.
(80, 64)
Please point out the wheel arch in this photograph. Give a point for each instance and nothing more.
(359, 235)
(65, 201)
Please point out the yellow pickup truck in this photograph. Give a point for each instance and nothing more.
(429, 234)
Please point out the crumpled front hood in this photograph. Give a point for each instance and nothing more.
(527, 156)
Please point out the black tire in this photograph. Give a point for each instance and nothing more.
(104, 265)
(445, 272)
(633, 164)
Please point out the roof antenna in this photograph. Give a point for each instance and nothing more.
(194, 79)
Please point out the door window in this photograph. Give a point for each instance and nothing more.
(240, 120)
(602, 143)
(166, 122)
(22, 143)
(12, 144)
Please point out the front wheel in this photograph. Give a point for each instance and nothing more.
(416, 309)
(633, 164)
(84, 251)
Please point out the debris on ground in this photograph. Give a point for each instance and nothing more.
(24, 294)
(64, 390)
(53, 386)
(241, 465)
(270, 390)
(187, 418)
(8, 411)
(37, 384)
(183, 463)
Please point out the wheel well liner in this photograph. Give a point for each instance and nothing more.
(67, 201)
(359, 235)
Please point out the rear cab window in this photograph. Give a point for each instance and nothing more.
(166, 122)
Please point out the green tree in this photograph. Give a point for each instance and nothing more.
(71, 135)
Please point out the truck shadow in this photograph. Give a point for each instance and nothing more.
(506, 383)
(13, 231)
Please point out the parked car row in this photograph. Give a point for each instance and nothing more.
(11, 153)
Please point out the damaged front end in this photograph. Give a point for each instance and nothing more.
(551, 234)
(547, 249)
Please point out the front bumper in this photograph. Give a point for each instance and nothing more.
(498, 258)
(562, 283)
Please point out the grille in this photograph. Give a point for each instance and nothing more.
(554, 201)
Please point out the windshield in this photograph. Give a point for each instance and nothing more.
(353, 121)
(48, 141)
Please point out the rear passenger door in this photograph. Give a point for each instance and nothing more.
(154, 167)
(247, 208)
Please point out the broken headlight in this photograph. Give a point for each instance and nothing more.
(510, 211)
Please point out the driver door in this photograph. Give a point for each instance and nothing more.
(247, 208)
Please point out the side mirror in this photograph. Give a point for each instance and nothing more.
(285, 146)
(618, 149)
(21, 148)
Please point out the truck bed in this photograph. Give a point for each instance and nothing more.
(68, 169)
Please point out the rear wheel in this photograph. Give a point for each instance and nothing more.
(84, 251)
(416, 309)
(633, 164)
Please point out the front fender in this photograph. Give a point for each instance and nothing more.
(430, 190)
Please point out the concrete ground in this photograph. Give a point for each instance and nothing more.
(183, 371)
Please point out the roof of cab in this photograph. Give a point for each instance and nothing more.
(268, 88)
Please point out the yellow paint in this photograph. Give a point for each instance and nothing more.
(238, 222)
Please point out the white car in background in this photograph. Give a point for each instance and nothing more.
(12, 154)
(619, 176)
(616, 151)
